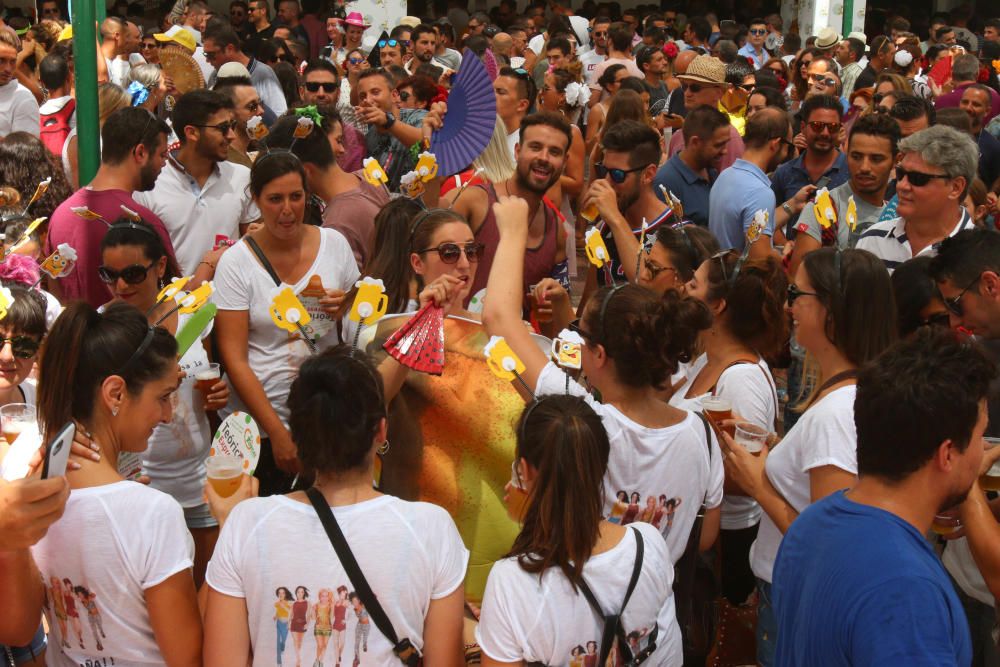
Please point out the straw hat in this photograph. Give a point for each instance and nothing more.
(355, 19)
(827, 38)
(409, 21)
(705, 69)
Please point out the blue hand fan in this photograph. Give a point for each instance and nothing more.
(472, 114)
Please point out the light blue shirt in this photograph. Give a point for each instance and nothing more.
(758, 59)
(737, 195)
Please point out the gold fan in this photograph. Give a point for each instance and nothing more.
(182, 70)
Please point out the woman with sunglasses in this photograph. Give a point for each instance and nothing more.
(674, 257)
(844, 316)
(114, 375)
(747, 299)
(533, 609)
(610, 80)
(633, 341)
(261, 358)
(135, 265)
(799, 85)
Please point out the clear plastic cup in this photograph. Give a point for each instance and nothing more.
(225, 473)
(751, 437)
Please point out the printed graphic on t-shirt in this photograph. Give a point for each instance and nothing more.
(588, 655)
(658, 511)
(71, 604)
(319, 629)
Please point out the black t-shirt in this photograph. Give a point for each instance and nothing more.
(866, 79)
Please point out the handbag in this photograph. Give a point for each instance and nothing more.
(403, 648)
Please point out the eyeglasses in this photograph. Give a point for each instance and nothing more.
(224, 128)
(917, 178)
(758, 32)
(22, 347)
(617, 175)
(574, 326)
(382, 43)
(818, 127)
(954, 304)
(655, 270)
(450, 252)
(132, 274)
(937, 320)
(149, 45)
(696, 87)
(794, 293)
(314, 86)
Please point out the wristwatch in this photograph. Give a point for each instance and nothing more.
(787, 208)
(390, 120)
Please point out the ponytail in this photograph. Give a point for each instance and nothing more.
(755, 300)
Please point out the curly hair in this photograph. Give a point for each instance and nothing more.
(24, 163)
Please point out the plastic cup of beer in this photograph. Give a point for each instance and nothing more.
(537, 314)
(516, 498)
(225, 472)
(751, 437)
(944, 524)
(207, 377)
(590, 213)
(717, 409)
(990, 480)
(16, 418)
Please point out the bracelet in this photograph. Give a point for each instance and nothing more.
(207, 264)
(787, 208)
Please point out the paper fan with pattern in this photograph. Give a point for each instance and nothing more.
(472, 114)
(419, 344)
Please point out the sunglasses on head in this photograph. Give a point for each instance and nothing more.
(314, 86)
(818, 127)
(617, 175)
(132, 274)
(382, 43)
(450, 252)
(22, 347)
(918, 178)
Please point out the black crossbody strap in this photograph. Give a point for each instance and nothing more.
(263, 259)
(612, 622)
(404, 650)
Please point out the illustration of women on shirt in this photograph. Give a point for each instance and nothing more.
(362, 629)
(340, 608)
(89, 602)
(670, 510)
(576, 657)
(58, 607)
(590, 658)
(649, 512)
(633, 508)
(282, 613)
(74, 618)
(618, 509)
(300, 614)
(322, 615)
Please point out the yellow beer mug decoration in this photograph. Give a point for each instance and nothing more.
(371, 302)
(195, 299)
(427, 166)
(852, 214)
(597, 251)
(501, 359)
(567, 350)
(287, 312)
(374, 173)
(60, 263)
(823, 208)
(6, 301)
(411, 185)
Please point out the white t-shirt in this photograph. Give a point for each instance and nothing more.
(241, 283)
(663, 474)
(115, 542)
(750, 390)
(957, 559)
(590, 60)
(175, 459)
(18, 110)
(528, 618)
(409, 552)
(823, 436)
(194, 216)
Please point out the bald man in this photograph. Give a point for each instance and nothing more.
(503, 45)
(676, 105)
(119, 40)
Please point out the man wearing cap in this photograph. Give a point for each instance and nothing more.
(704, 84)
(827, 40)
(179, 37)
(18, 107)
(222, 46)
(754, 48)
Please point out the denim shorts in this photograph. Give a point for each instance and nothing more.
(26, 653)
(199, 516)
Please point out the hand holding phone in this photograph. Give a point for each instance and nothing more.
(57, 452)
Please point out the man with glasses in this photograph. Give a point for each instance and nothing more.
(599, 53)
(704, 84)
(321, 86)
(200, 196)
(740, 82)
(246, 105)
(743, 190)
(754, 48)
(223, 46)
(795, 182)
(260, 20)
(932, 180)
(134, 149)
(619, 53)
(624, 197)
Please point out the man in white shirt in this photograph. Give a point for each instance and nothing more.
(199, 195)
(18, 108)
(619, 53)
(932, 180)
(119, 40)
(222, 46)
(597, 55)
(514, 90)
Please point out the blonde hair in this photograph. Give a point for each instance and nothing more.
(111, 98)
(495, 160)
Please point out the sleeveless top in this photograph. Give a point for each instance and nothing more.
(538, 261)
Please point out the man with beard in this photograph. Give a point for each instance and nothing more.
(795, 182)
(743, 189)
(134, 150)
(623, 194)
(871, 154)
(541, 156)
(246, 105)
(599, 53)
(691, 173)
(704, 83)
(423, 39)
(200, 196)
(321, 86)
(18, 107)
(855, 581)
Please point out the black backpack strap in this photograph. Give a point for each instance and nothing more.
(263, 259)
(403, 649)
(613, 622)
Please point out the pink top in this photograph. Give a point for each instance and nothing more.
(352, 213)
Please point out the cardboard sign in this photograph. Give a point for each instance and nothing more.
(238, 436)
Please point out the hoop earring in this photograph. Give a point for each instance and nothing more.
(383, 448)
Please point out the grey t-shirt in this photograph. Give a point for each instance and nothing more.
(867, 216)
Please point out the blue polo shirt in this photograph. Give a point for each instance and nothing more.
(758, 60)
(792, 176)
(739, 192)
(688, 186)
(856, 585)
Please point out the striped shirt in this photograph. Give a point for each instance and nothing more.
(887, 241)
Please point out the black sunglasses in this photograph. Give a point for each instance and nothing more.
(132, 274)
(574, 326)
(617, 175)
(23, 347)
(224, 128)
(954, 304)
(314, 86)
(450, 252)
(917, 178)
(794, 293)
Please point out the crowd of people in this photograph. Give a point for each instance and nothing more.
(747, 282)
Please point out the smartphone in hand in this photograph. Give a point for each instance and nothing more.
(57, 452)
